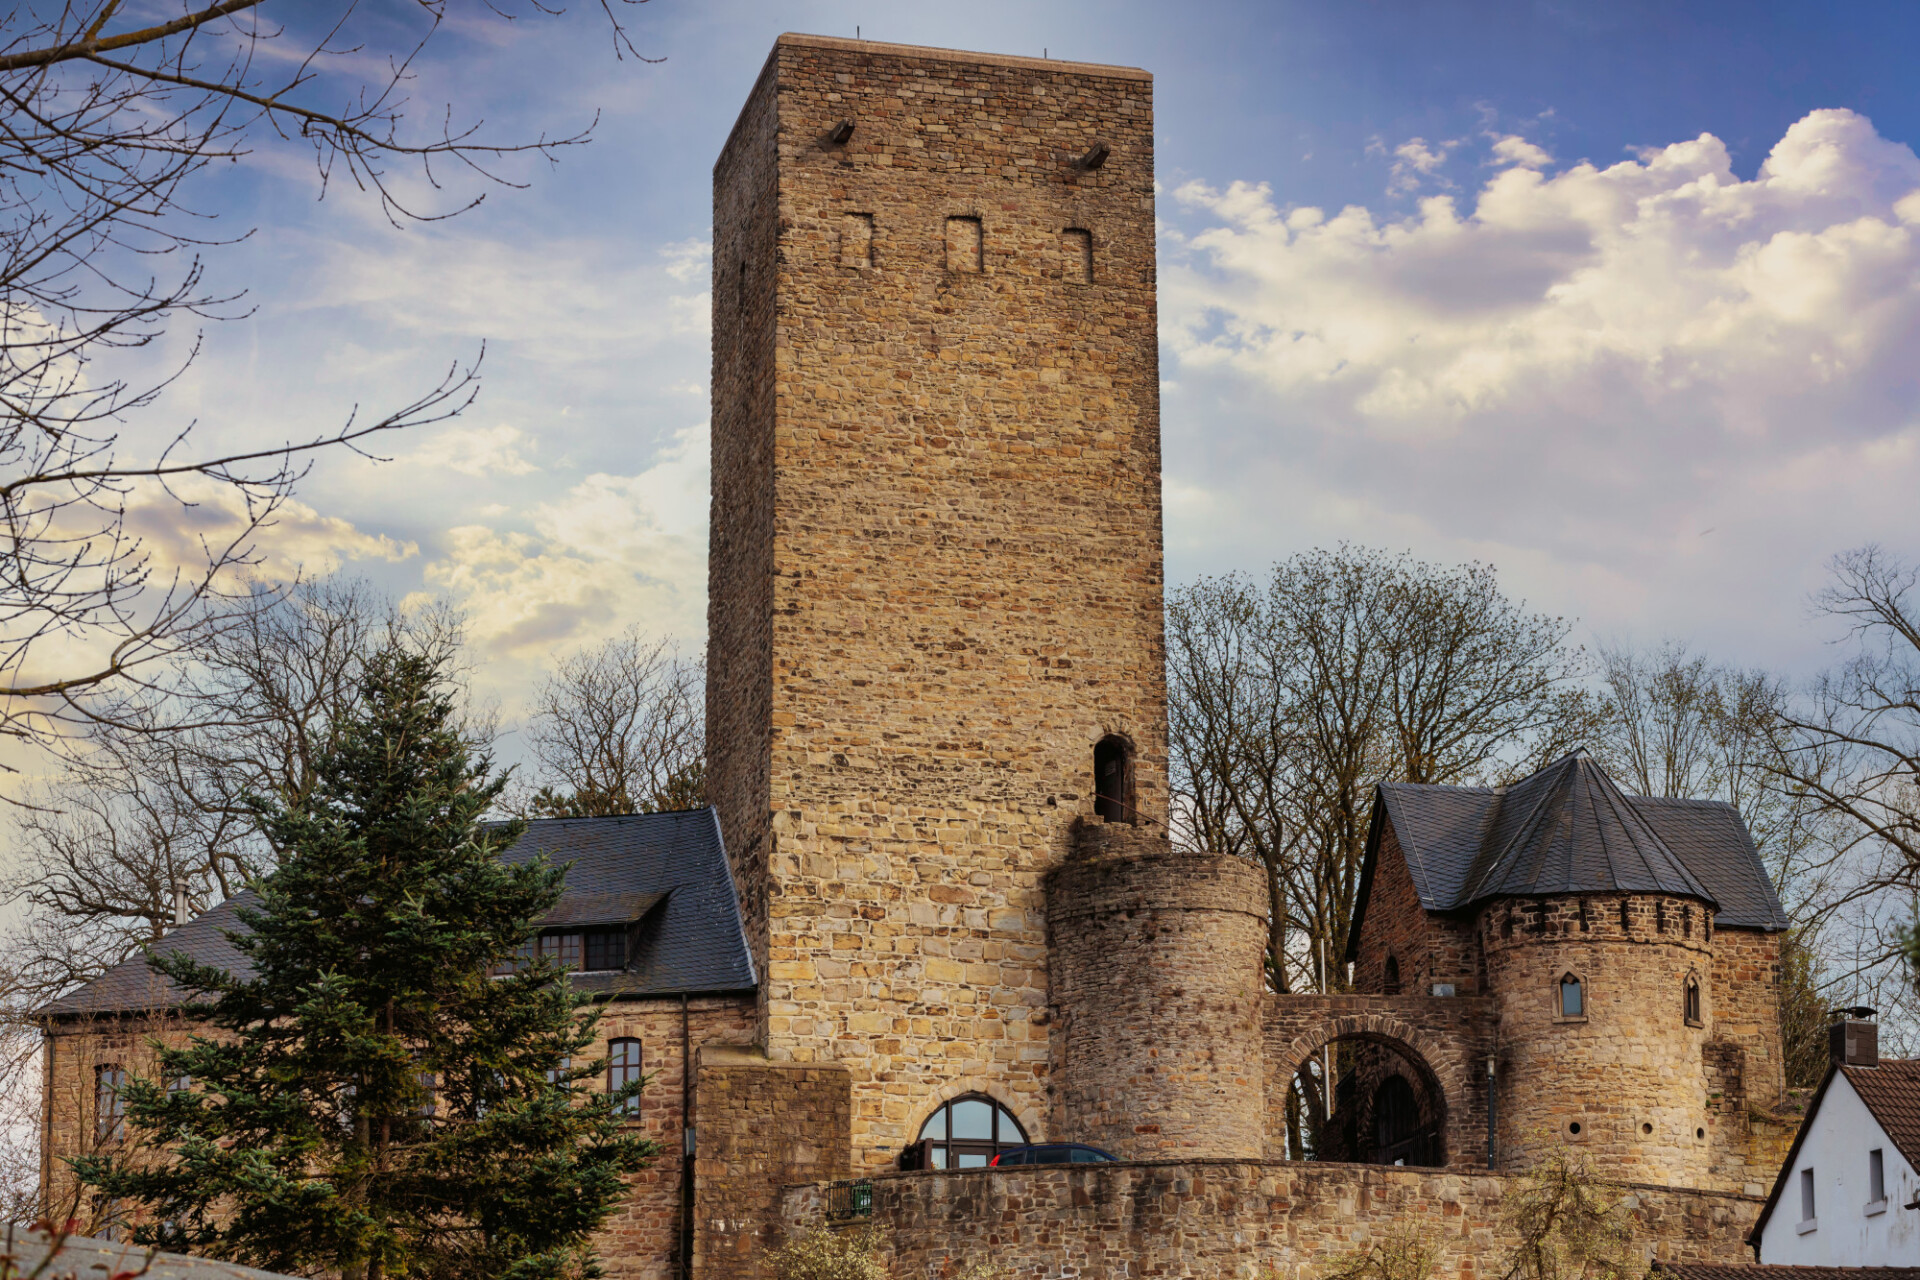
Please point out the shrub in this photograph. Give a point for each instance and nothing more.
(822, 1254)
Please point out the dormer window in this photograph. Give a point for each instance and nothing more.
(597, 950)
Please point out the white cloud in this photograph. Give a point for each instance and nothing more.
(478, 451)
(611, 551)
(1593, 365)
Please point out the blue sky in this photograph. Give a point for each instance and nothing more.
(1499, 280)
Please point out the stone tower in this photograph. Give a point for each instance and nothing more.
(935, 568)
(1614, 1066)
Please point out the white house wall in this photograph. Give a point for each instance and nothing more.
(1846, 1231)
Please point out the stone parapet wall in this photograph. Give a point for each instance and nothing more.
(1155, 970)
(1230, 1219)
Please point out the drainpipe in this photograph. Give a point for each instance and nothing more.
(1492, 1110)
(686, 1145)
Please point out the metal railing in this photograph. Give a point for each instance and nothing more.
(850, 1201)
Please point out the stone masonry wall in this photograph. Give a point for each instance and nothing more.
(1627, 1081)
(761, 1125)
(936, 572)
(1227, 1219)
(1745, 998)
(639, 1242)
(1156, 983)
(1430, 947)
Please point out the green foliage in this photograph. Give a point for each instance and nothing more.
(1569, 1225)
(372, 1103)
(1405, 1252)
(823, 1254)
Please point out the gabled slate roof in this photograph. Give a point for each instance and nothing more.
(1569, 829)
(91, 1258)
(668, 871)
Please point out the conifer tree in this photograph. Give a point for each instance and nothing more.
(372, 1102)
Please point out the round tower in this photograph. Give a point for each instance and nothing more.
(1602, 1006)
(1155, 969)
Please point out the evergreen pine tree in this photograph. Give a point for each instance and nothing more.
(373, 1103)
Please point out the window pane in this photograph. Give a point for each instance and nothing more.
(973, 1118)
(563, 948)
(1570, 999)
(936, 1126)
(623, 1069)
(971, 1160)
(939, 1157)
(606, 949)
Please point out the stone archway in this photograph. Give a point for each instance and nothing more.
(1439, 1040)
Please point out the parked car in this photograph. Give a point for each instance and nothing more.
(1055, 1153)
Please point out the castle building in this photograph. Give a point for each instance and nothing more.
(946, 917)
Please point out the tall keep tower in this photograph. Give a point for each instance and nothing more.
(935, 568)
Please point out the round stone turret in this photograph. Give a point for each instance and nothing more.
(1156, 980)
(1603, 1015)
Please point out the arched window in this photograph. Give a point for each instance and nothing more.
(1690, 1000)
(623, 1069)
(1573, 997)
(968, 1132)
(1391, 983)
(1113, 779)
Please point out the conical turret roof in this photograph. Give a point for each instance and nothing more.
(1568, 829)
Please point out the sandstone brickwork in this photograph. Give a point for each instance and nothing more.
(761, 1125)
(1230, 1219)
(1626, 1081)
(936, 572)
(1155, 961)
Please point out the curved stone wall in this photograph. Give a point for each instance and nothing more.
(1625, 1082)
(1155, 987)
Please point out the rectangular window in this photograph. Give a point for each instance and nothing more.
(963, 244)
(562, 948)
(109, 1107)
(522, 956)
(1076, 251)
(623, 1069)
(1572, 1003)
(605, 949)
(1876, 1176)
(856, 240)
(557, 1076)
(1806, 1196)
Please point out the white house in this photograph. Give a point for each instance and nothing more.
(1848, 1195)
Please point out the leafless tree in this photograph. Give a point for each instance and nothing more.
(619, 729)
(1853, 746)
(1290, 700)
(110, 113)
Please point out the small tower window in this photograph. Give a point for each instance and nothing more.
(1076, 252)
(1626, 917)
(109, 1106)
(963, 245)
(1391, 984)
(1660, 915)
(1691, 1000)
(1586, 923)
(1113, 779)
(1573, 997)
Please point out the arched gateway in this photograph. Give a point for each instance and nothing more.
(1436, 1048)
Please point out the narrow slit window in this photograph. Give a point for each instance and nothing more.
(856, 240)
(1076, 251)
(109, 1107)
(1691, 1002)
(1391, 985)
(1112, 780)
(1806, 1195)
(963, 245)
(1876, 1176)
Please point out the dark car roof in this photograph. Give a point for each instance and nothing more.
(1569, 829)
(667, 870)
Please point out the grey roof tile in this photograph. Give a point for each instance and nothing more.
(91, 1258)
(668, 868)
(1569, 829)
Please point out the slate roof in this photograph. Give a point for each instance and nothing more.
(90, 1258)
(1569, 829)
(667, 870)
